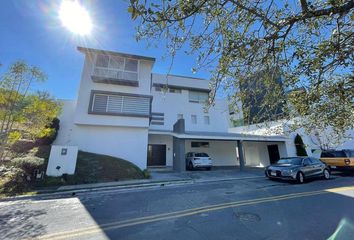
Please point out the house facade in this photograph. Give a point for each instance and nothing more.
(152, 120)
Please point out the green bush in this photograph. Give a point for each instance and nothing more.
(300, 146)
(146, 173)
(13, 180)
(29, 164)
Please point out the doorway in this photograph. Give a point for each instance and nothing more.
(273, 152)
(156, 155)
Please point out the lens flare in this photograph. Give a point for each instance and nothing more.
(75, 17)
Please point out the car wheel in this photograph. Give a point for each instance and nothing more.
(300, 177)
(326, 174)
(190, 166)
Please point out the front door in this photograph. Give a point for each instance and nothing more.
(273, 152)
(156, 155)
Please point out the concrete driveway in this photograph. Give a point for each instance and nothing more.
(216, 174)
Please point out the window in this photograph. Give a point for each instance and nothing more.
(179, 116)
(194, 119)
(102, 60)
(158, 89)
(199, 144)
(131, 65)
(198, 97)
(174, 90)
(116, 67)
(206, 120)
(157, 118)
(118, 104)
(201, 155)
(306, 162)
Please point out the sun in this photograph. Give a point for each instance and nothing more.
(75, 17)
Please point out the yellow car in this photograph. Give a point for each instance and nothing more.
(340, 159)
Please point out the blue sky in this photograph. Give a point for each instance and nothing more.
(31, 31)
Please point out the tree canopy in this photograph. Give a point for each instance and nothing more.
(310, 43)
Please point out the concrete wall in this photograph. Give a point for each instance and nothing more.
(256, 153)
(223, 153)
(172, 104)
(164, 140)
(62, 160)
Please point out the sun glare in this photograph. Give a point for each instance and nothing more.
(75, 17)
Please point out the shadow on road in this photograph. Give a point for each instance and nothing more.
(17, 222)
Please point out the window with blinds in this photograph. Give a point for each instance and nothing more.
(120, 104)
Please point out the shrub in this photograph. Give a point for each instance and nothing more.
(29, 164)
(300, 146)
(146, 173)
(13, 180)
(22, 146)
(52, 133)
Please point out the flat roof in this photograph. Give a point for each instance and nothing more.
(93, 50)
(226, 136)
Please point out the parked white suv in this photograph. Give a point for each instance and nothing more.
(198, 160)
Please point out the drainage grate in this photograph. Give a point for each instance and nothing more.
(247, 216)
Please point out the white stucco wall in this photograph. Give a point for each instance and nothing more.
(164, 140)
(172, 104)
(256, 153)
(223, 153)
(59, 163)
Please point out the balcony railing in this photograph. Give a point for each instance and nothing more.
(115, 76)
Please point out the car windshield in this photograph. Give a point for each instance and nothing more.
(201, 155)
(293, 161)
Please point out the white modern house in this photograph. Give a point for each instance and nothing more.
(124, 110)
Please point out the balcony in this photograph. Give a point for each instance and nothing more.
(113, 76)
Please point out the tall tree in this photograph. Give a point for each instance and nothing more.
(311, 43)
(21, 111)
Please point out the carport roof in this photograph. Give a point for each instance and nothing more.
(221, 136)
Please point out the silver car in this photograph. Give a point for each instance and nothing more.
(198, 160)
(298, 168)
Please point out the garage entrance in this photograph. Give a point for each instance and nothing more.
(273, 152)
(156, 155)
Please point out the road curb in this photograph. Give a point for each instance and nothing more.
(73, 192)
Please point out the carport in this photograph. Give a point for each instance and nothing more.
(227, 149)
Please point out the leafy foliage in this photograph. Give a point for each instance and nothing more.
(300, 147)
(24, 114)
(310, 44)
(28, 164)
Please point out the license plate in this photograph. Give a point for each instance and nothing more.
(273, 173)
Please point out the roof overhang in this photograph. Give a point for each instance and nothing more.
(93, 50)
(220, 136)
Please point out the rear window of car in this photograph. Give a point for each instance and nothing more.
(294, 161)
(349, 153)
(333, 154)
(201, 155)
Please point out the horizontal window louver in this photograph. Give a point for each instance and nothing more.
(120, 104)
(157, 119)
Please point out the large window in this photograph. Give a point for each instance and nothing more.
(119, 104)
(199, 144)
(198, 97)
(116, 67)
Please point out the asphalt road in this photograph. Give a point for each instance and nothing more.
(243, 209)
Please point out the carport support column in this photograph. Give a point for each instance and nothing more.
(179, 160)
(241, 154)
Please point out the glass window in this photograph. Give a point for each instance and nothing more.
(174, 90)
(131, 65)
(199, 144)
(206, 120)
(294, 161)
(116, 62)
(306, 161)
(198, 97)
(194, 119)
(102, 60)
(201, 155)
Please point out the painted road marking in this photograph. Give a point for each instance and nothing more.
(184, 213)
